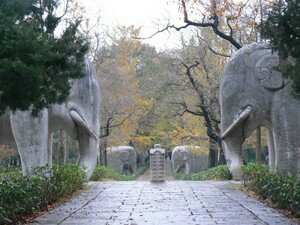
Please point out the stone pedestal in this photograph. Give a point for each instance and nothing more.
(157, 164)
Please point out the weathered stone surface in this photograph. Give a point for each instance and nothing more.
(122, 159)
(254, 94)
(170, 202)
(157, 164)
(142, 157)
(78, 115)
(185, 159)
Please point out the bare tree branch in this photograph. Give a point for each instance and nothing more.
(185, 109)
(108, 125)
(162, 30)
(217, 53)
(214, 25)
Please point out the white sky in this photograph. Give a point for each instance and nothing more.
(145, 13)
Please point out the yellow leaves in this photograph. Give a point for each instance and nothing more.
(121, 86)
(142, 142)
(199, 150)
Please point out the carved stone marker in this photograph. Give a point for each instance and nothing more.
(157, 164)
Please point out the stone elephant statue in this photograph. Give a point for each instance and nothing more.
(78, 116)
(122, 159)
(186, 160)
(253, 93)
(142, 157)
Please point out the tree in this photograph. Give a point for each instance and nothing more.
(195, 64)
(36, 64)
(282, 28)
(122, 104)
(233, 22)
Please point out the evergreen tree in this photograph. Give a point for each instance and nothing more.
(36, 66)
(282, 27)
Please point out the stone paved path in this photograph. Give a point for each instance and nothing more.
(172, 202)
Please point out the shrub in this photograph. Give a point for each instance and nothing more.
(182, 176)
(282, 191)
(216, 173)
(105, 173)
(20, 196)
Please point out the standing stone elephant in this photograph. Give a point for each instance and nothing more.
(122, 159)
(186, 160)
(78, 115)
(142, 157)
(253, 93)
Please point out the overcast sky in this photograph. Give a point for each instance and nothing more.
(145, 13)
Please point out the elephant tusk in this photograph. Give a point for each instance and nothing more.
(81, 123)
(244, 115)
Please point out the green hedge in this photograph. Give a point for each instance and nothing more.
(20, 196)
(283, 191)
(105, 173)
(216, 173)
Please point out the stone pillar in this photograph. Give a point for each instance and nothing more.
(157, 164)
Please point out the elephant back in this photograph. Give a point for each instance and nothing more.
(122, 153)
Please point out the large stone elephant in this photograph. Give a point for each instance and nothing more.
(253, 93)
(122, 159)
(78, 115)
(186, 160)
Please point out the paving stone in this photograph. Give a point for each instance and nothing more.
(171, 202)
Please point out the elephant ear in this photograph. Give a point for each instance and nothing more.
(124, 155)
(265, 71)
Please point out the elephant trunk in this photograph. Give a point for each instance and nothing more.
(233, 138)
(88, 151)
(179, 167)
(77, 118)
(238, 121)
(233, 155)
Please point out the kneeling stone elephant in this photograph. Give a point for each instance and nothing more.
(122, 159)
(78, 115)
(254, 94)
(186, 160)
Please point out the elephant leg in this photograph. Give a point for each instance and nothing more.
(88, 146)
(287, 151)
(188, 168)
(50, 148)
(271, 150)
(31, 136)
(134, 167)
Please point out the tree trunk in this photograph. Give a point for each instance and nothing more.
(258, 146)
(60, 148)
(102, 151)
(105, 153)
